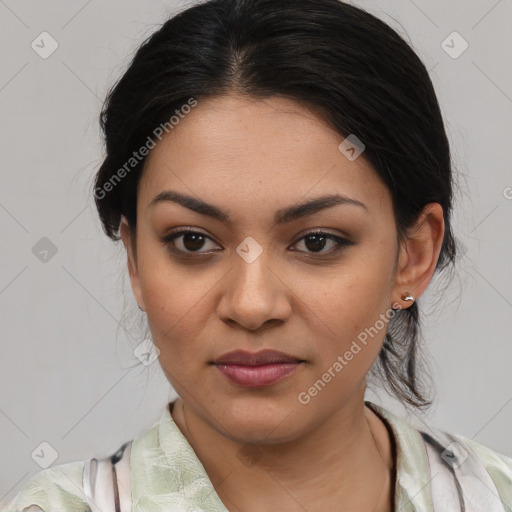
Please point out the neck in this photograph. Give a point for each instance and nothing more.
(348, 457)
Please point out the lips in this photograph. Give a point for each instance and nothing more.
(241, 357)
(256, 369)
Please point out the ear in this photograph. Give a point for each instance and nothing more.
(418, 254)
(129, 245)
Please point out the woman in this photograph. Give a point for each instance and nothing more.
(280, 177)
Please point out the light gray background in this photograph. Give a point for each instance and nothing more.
(68, 373)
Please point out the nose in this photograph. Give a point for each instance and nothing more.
(254, 294)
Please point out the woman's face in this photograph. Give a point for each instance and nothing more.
(250, 278)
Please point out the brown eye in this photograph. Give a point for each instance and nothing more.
(188, 241)
(317, 241)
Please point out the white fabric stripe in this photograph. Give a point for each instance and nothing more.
(124, 480)
(444, 492)
(98, 485)
(478, 488)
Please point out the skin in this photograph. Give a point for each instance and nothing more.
(262, 449)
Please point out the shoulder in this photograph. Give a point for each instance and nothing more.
(56, 489)
(482, 473)
(61, 487)
(492, 459)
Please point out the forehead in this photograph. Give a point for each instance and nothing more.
(250, 153)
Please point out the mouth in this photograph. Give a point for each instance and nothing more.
(257, 369)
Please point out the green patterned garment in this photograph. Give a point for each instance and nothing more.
(166, 474)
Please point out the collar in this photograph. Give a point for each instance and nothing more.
(412, 485)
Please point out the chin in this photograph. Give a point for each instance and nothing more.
(261, 420)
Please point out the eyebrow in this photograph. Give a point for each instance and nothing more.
(281, 216)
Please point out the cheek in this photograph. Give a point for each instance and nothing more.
(348, 305)
(178, 305)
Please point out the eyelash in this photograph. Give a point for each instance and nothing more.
(169, 238)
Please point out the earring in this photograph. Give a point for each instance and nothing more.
(407, 297)
(139, 306)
